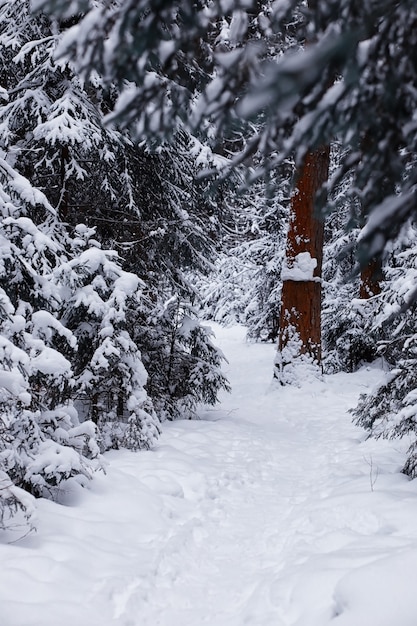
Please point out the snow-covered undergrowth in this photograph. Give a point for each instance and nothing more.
(273, 510)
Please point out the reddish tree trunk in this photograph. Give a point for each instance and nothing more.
(301, 290)
(371, 276)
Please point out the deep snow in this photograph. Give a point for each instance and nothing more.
(272, 510)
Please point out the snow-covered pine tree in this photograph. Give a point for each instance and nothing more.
(347, 320)
(100, 300)
(147, 204)
(168, 243)
(176, 223)
(184, 365)
(42, 442)
(349, 336)
(146, 200)
(51, 122)
(14, 397)
(391, 409)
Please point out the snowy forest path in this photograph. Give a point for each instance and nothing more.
(271, 510)
(259, 504)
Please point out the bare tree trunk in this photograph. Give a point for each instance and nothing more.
(300, 316)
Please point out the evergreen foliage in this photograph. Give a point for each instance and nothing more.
(78, 321)
(98, 298)
(147, 204)
(349, 337)
(184, 366)
(42, 442)
(391, 410)
(246, 283)
(359, 61)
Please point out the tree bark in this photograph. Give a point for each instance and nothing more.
(300, 314)
(371, 276)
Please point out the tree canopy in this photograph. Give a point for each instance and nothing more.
(214, 65)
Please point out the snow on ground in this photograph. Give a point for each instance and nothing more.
(272, 510)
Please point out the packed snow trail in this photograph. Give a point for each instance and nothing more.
(272, 510)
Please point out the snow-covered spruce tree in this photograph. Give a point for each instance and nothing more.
(14, 397)
(51, 123)
(347, 320)
(145, 200)
(146, 204)
(183, 364)
(224, 291)
(349, 336)
(52, 130)
(42, 442)
(172, 245)
(170, 240)
(175, 225)
(391, 409)
(99, 301)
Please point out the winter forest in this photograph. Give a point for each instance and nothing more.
(171, 167)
